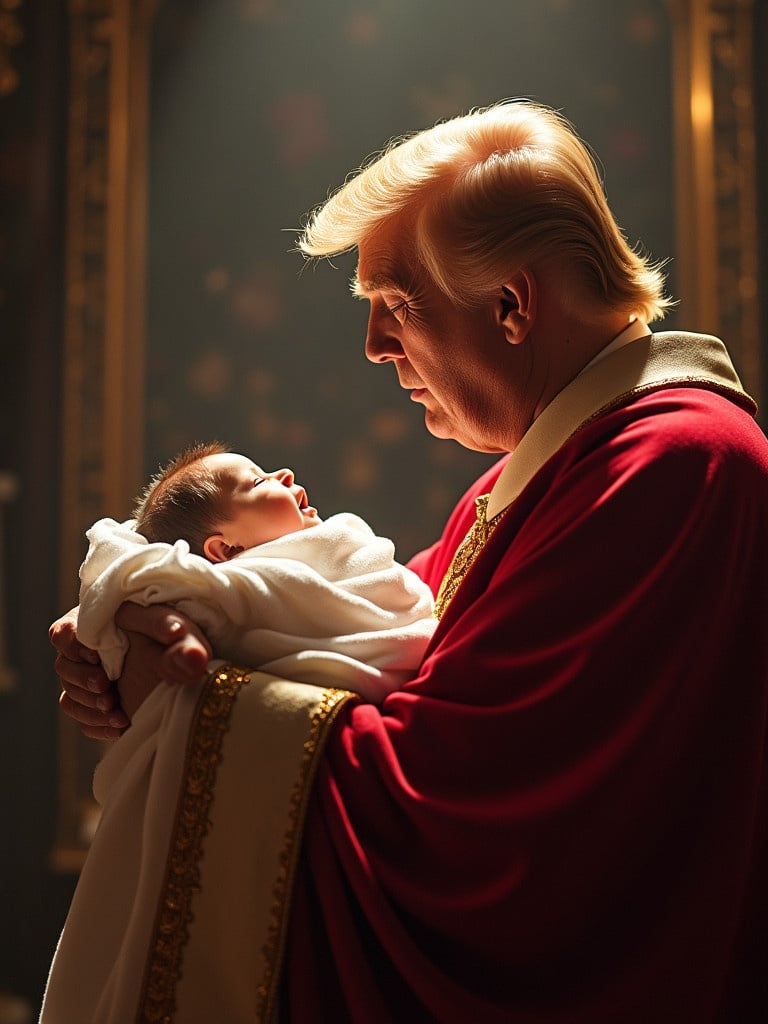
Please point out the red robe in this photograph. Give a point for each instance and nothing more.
(562, 819)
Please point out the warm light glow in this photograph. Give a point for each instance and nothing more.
(701, 108)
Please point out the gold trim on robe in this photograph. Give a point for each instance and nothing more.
(466, 553)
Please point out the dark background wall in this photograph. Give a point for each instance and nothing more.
(32, 166)
(259, 108)
(760, 63)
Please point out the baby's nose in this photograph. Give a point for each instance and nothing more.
(285, 476)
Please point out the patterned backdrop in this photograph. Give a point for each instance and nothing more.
(259, 109)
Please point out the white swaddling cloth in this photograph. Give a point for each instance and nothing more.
(328, 605)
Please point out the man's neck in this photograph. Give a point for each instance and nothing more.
(635, 329)
(576, 342)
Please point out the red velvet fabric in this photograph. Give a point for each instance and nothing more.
(562, 819)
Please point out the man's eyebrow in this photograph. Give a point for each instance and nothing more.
(378, 283)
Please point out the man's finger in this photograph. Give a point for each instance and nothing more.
(159, 622)
(81, 675)
(104, 734)
(108, 724)
(185, 661)
(63, 636)
(99, 702)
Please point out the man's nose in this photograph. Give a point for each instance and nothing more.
(381, 346)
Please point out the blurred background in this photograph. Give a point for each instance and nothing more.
(156, 160)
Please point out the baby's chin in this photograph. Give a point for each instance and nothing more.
(311, 518)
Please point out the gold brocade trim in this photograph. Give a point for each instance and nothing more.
(182, 880)
(466, 553)
(321, 720)
(740, 398)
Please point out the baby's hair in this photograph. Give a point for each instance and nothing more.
(183, 500)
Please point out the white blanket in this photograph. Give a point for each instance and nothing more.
(328, 605)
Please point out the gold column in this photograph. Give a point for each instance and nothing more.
(11, 35)
(103, 364)
(716, 178)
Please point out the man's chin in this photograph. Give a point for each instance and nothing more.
(439, 427)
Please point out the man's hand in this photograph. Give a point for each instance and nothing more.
(87, 695)
(164, 645)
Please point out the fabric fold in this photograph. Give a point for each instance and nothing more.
(329, 606)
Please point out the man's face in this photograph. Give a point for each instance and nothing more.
(455, 362)
(262, 506)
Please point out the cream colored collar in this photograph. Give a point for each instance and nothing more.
(635, 329)
(619, 372)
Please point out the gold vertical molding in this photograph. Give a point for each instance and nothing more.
(694, 164)
(736, 182)
(124, 336)
(11, 35)
(103, 364)
(716, 177)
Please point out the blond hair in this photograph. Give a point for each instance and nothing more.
(184, 500)
(487, 193)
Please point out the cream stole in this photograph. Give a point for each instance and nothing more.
(223, 909)
(181, 910)
(651, 363)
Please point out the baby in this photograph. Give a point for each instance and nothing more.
(244, 554)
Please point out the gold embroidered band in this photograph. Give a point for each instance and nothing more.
(321, 719)
(466, 553)
(191, 826)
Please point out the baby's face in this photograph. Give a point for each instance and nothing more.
(262, 506)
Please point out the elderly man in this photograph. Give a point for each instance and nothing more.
(562, 818)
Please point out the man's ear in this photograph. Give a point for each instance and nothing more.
(217, 550)
(517, 306)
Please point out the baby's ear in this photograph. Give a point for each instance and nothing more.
(217, 550)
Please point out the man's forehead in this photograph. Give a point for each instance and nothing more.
(387, 260)
(391, 271)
